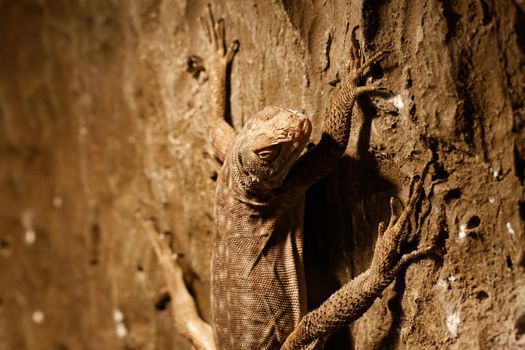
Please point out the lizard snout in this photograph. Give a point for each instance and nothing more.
(303, 129)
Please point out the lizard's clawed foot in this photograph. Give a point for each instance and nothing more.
(220, 56)
(357, 70)
(217, 38)
(389, 238)
(232, 50)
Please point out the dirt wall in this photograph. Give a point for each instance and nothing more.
(99, 119)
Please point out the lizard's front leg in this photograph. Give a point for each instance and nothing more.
(318, 161)
(353, 299)
(338, 121)
(220, 133)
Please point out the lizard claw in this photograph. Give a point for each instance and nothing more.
(214, 31)
(411, 185)
(211, 28)
(232, 50)
(372, 89)
(216, 34)
(393, 215)
(389, 239)
(412, 256)
(356, 70)
(355, 57)
(220, 34)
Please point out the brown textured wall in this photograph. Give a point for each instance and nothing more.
(99, 119)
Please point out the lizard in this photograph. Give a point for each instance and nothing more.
(258, 291)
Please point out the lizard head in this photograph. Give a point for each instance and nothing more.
(268, 146)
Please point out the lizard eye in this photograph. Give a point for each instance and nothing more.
(268, 153)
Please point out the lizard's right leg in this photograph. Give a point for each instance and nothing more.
(220, 133)
(354, 298)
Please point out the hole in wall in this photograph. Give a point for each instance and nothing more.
(509, 262)
(519, 28)
(453, 19)
(487, 16)
(519, 163)
(520, 326)
(452, 194)
(440, 173)
(168, 234)
(4, 245)
(95, 242)
(481, 295)
(409, 82)
(473, 222)
(194, 66)
(162, 301)
(376, 71)
(214, 176)
(140, 268)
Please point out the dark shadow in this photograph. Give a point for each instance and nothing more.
(342, 213)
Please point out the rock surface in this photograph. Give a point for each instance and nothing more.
(99, 119)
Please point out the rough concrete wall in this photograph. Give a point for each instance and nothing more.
(99, 120)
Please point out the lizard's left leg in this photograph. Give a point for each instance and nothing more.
(387, 250)
(220, 133)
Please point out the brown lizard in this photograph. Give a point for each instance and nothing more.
(258, 283)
